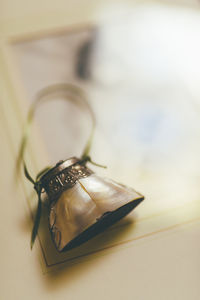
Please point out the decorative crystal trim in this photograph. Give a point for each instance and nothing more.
(56, 183)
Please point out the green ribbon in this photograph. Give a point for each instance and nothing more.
(69, 92)
(38, 187)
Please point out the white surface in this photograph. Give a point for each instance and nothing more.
(160, 266)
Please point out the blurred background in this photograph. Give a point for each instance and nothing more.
(139, 65)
